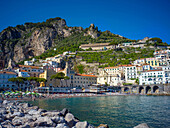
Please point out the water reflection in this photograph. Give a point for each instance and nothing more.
(117, 111)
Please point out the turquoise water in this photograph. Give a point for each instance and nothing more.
(116, 111)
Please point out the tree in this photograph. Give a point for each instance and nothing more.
(36, 80)
(113, 43)
(137, 81)
(59, 75)
(18, 81)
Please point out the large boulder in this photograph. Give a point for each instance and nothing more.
(26, 105)
(58, 119)
(71, 120)
(5, 102)
(34, 112)
(84, 124)
(44, 121)
(17, 121)
(143, 125)
(51, 114)
(19, 114)
(64, 112)
(62, 125)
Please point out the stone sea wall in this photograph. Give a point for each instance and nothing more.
(25, 115)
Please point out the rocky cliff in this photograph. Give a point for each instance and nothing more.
(32, 39)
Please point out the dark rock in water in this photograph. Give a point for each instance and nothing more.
(143, 125)
(64, 112)
(103, 126)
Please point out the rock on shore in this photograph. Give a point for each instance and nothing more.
(25, 115)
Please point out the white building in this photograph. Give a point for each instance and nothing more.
(152, 77)
(162, 54)
(22, 73)
(139, 61)
(28, 63)
(130, 73)
(127, 44)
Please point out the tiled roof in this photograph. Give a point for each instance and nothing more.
(27, 66)
(7, 72)
(86, 75)
(111, 67)
(23, 71)
(129, 65)
(152, 70)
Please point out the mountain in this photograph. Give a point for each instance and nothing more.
(38, 39)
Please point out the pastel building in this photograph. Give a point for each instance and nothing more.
(152, 62)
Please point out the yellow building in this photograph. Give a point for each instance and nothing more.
(50, 82)
(153, 62)
(43, 75)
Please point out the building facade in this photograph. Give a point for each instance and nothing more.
(82, 80)
(33, 71)
(152, 77)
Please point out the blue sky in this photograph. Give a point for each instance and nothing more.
(134, 19)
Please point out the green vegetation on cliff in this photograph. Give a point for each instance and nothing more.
(116, 57)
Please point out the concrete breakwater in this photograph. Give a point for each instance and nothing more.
(25, 115)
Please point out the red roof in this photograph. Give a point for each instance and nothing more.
(111, 67)
(7, 72)
(27, 66)
(86, 75)
(153, 70)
